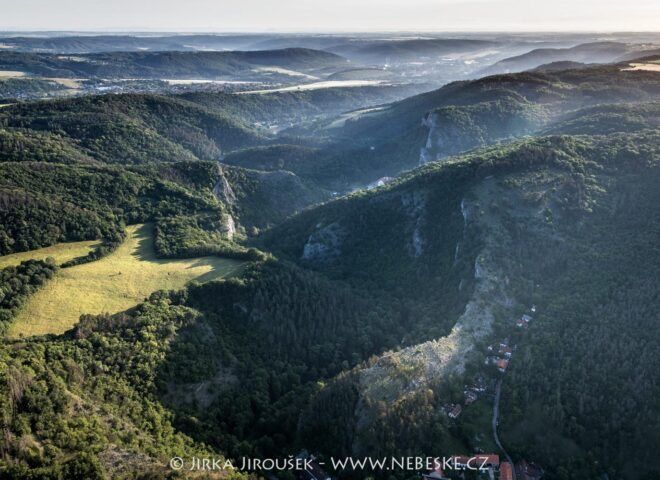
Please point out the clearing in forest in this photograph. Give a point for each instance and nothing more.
(112, 284)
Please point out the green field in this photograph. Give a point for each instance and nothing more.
(62, 252)
(112, 284)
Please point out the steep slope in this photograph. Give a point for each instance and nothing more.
(263, 199)
(465, 115)
(524, 202)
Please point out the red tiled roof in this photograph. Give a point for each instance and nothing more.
(506, 472)
(503, 363)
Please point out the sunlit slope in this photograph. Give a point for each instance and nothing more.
(62, 252)
(113, 284)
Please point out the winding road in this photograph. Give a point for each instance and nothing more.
(496, 412)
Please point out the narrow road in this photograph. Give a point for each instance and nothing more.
(496, 412)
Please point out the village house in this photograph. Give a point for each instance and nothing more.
(502, 364)
(479, 385)
(491, 360)
(506, 351)
(506, 471)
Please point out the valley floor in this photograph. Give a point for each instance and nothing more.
(112, 284)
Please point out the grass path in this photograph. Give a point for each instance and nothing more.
(112, 284)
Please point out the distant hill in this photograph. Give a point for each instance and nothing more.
(398, 50)
(172, 64)
(561, 65)
(128, 43)
(596, 52)
(465, 115)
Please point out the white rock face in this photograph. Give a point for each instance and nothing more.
(222, 190)
(381, 384)
(426, 154)
(324, 244)
(229, 226)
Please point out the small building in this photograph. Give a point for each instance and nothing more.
(470, 396)
(455, 411)
(506, 351)
(502, 364)
(520, 323)
(492, 360)
(479, 385)
(526, 318)
(506, 471)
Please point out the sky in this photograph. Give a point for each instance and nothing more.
(331, 15)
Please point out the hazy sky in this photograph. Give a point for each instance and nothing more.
(331, 15)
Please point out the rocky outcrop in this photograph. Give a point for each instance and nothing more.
(222, 190)
(324, 244)
(229, 226)
(396, 375)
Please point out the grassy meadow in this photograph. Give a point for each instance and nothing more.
(62, 252)
(112, 284)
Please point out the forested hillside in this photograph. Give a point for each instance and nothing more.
(546, 189)
(357, 318)
(132, 128)
(168, 64)
(465, 115)
(596, 52)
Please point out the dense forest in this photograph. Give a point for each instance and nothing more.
(132, 128)
(47, 203)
